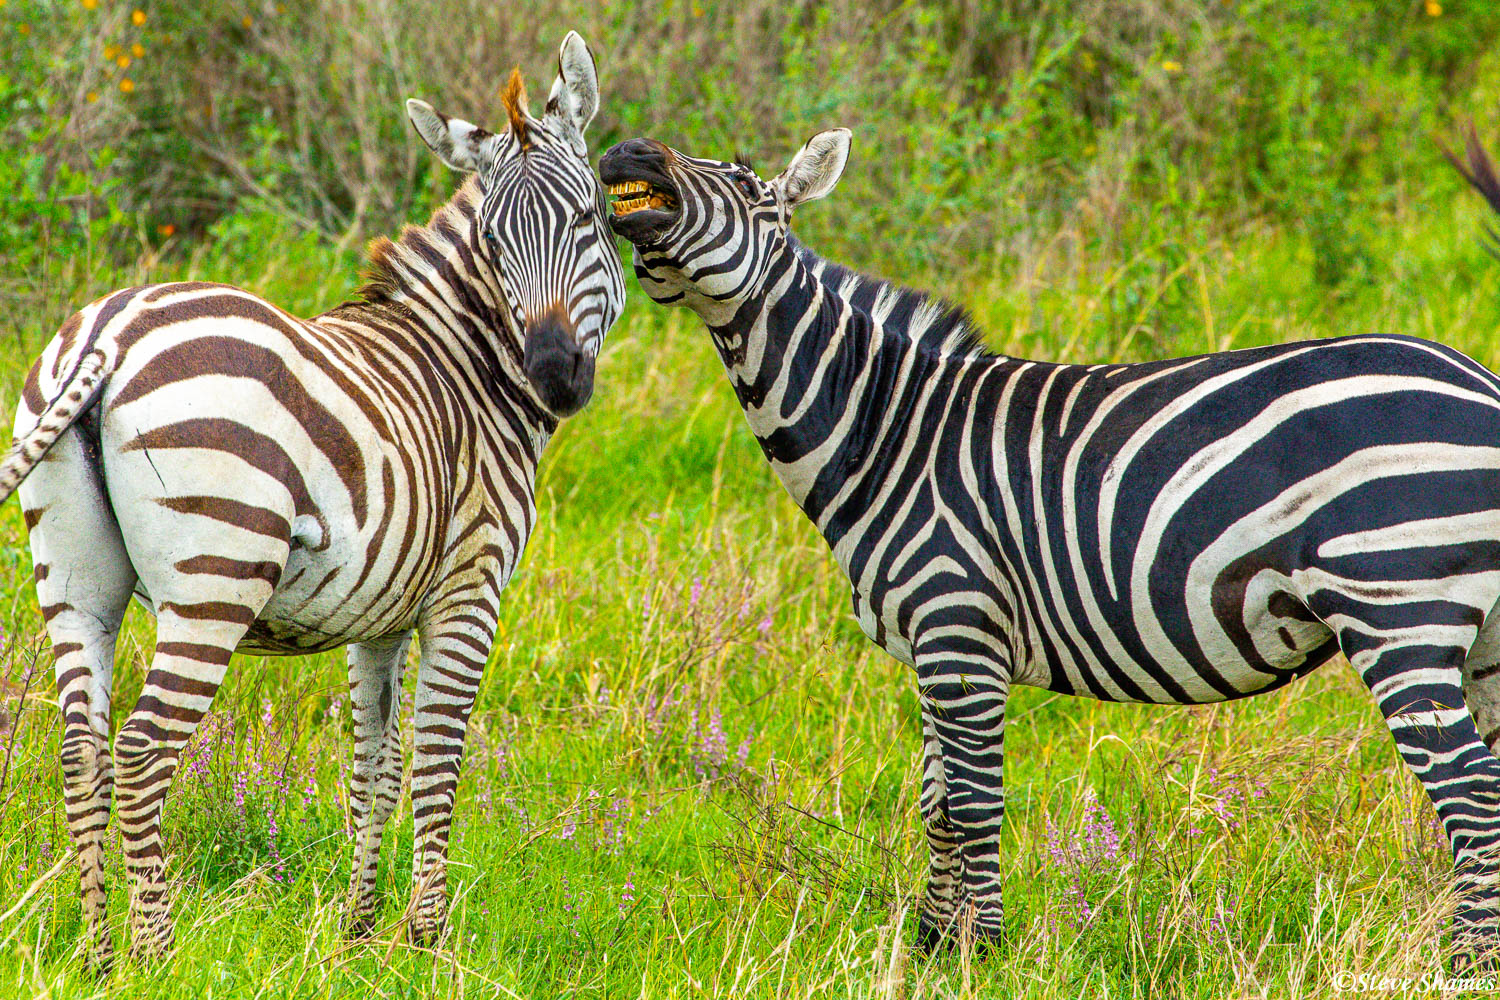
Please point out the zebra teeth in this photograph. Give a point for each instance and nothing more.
(648, 198)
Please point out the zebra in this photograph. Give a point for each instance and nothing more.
(282, 486)
(1175, 532)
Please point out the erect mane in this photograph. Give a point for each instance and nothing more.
(931, 322)
(388, 262)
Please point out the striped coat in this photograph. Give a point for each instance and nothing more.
(271, 484)
(1176, 532)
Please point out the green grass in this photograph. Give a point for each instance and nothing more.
(689, 774)
(1268, 845)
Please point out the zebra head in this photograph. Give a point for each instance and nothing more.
(704, 232)
(542, 221)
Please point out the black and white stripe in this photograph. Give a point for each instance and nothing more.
(280, 485)
(1180, 532)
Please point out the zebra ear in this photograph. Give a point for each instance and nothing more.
(575, 92)
(815, 169)
(456, 142)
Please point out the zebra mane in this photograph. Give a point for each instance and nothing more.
(390, 263)
(931, 322)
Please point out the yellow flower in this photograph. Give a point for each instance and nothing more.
(1433, 8)
(123, 62)
(90, 4)
(245, 22)
(166, 230)
(137, 51)
(127, 85)
(24, 29)
(91, 96)
(1171, 65)
(110, 51)
(137, 17)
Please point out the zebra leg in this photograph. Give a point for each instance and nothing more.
(1481, 681)
(194, 642)
(375, 783)
(1419, 691)
(454, 651)
(967, 689)
(83, 591)
(945, 867)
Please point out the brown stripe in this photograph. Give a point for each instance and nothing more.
(64, 338)
(241, 515)
(222, 611)
(204, 356)
(31, 392)
(244, 306)
(202, 652)
(170, 680)
(250, 446)
(234, 569)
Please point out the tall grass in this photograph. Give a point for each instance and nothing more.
(689, 774)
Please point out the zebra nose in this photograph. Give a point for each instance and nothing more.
(561, 374)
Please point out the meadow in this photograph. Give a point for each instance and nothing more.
(689, 774)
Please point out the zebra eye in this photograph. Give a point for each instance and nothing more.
(747, 187)
(490, 237)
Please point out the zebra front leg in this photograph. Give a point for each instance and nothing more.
(454, 651)
(966, 688)
(375, 670)
(945, 867)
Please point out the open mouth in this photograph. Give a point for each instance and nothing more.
(641, 196)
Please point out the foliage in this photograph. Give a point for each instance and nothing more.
(689, 773)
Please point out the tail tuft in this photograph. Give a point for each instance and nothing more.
(1480, 173)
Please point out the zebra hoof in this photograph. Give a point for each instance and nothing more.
(100, 960)
(1476, 949)
(147, 948)
(932, 934)
(360, 928)
(426, 930)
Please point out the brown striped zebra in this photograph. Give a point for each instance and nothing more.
(278, 485)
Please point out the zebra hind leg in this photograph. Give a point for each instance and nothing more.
(375, 780)
(1419, 689)
(939, 917)
(84, 580)
(194, 642)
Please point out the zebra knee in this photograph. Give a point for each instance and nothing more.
(79, 758)
(142, 757)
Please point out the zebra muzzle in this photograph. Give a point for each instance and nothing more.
(560, 373)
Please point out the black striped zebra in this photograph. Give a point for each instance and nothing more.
(1176, 532)
(278, 485)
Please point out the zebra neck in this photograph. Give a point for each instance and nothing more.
(821, 380)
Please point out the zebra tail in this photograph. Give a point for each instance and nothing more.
(1480, 173)
(76, 395)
